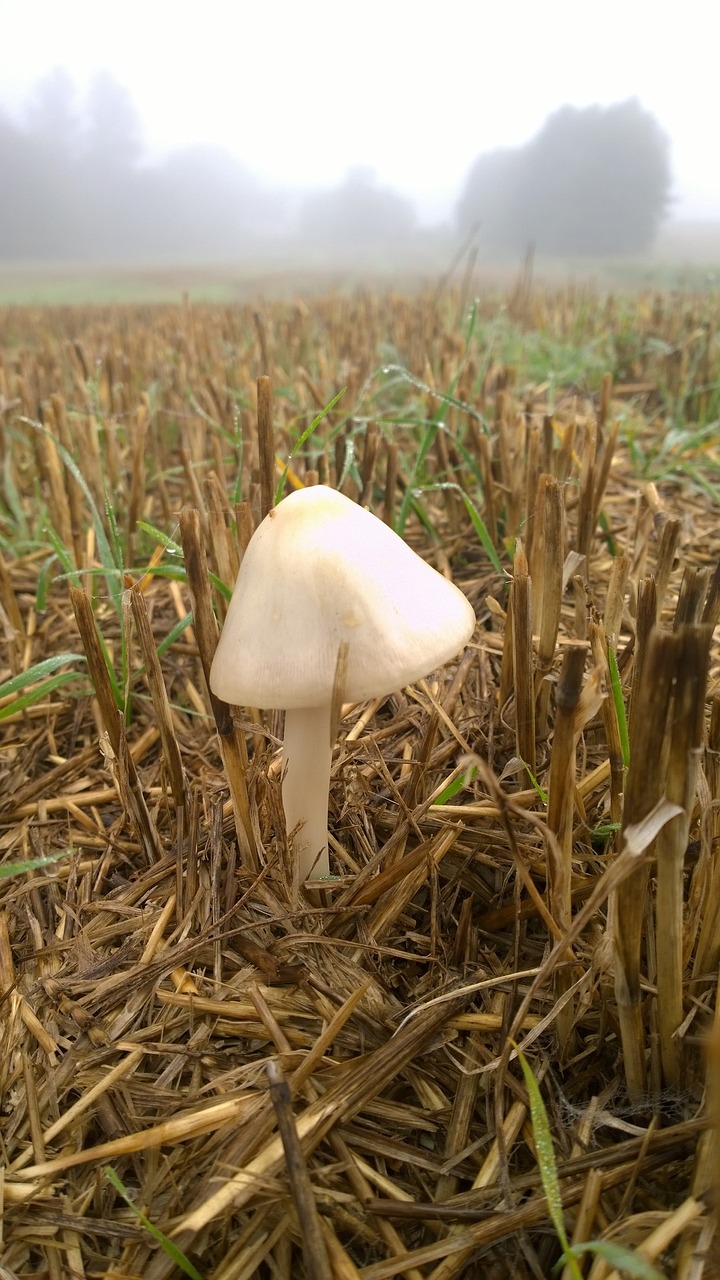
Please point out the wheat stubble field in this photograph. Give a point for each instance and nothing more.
(489, 1046)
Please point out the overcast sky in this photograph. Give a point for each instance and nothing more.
(300, 89)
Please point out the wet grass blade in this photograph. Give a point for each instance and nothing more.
(547, 1163)
(171, 1249)
(307, 433)
(10, 869)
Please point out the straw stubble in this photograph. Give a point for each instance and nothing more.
(644, 788)
(687, 728)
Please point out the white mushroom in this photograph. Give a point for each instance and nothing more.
(323, 578)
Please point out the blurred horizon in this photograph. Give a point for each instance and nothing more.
(298, 95)
(362, 135)
(80, 186)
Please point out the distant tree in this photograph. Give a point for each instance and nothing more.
(51, 115)
(358, 214)
(201, 202)
(73, 186)
(113, 130)
(593, 181)
(108, 210)
(51, 151)
(489, 196)
(35, 195)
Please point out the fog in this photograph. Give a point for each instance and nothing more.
(343, 133)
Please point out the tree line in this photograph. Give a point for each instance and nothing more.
(75, 187)
(593, 181)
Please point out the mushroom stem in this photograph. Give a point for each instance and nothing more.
(307, 755)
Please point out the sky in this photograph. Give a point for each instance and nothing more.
(300, 91)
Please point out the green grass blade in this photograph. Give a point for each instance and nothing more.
(10, 869)
(481, 530)
(414, 486)
(12, 497)
(103, 544)
(546, 1161)
(62, 553)
(117, 687)
(157, 535)
(42, 590)
(174, 634)
(348, 464)
(469, 460)
(115, 542)
(702, 483)
(610, 542)
(38, 672)
(619, 703)
(542, 795)
(303, 438)
(38, 693)
(622, 1259)
(171, 1249)
(458, 784)
(446, 398)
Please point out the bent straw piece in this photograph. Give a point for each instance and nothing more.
(128, 783)
(317, 1264)
(181, 1129)
(561, 806)
(232, 742)
(708, 947)
(645, 786)
(521, 595)
(686, 739)
(341, 1102)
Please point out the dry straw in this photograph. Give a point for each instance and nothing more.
(289, 1087)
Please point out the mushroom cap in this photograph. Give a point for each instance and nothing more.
(319, 571)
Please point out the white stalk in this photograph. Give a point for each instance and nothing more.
(307, 756)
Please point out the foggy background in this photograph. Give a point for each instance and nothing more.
(136, 136)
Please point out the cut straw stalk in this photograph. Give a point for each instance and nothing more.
(340, 1103)
(688, 722)
(57, 496)
(547, 590)
(611, 725)
(391, 475)
(560, 821)
(645, 786)
(232, 742)
(521, 593)
(367, 472)
(605, 455)
(666, 560)
(533, 504)
(180, 1129)
(644, 623)
(586, 500)
(342, 1264)
(158, 693)
(138, 440)
(707, 953)
(615, 600)
(706, 1179)
(317, 1264)
(454, 1265)
(266, 445)
(121, 760)
(222, 542)
(74, 492)
(511, 457)
(691, 598)
(458, 1133)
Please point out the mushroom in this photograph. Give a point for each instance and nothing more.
(329, 605)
